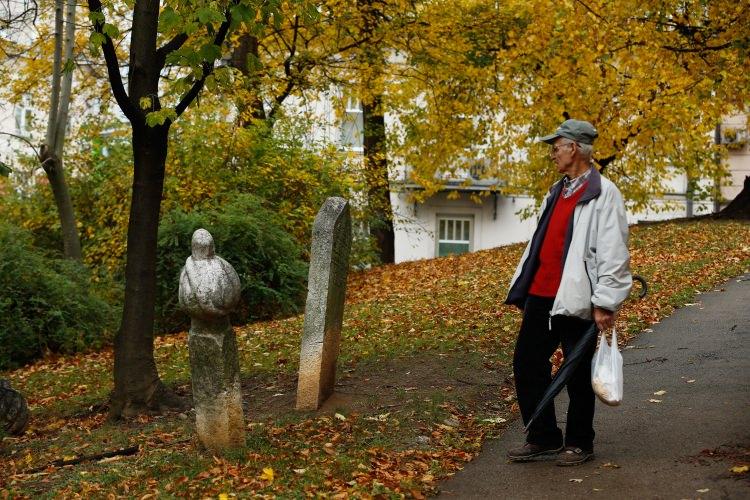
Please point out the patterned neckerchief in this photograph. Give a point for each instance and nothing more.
(570, 186)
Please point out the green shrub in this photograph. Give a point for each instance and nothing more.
(248, 236)
(46, 304)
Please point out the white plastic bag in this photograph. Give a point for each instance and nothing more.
(606, 371)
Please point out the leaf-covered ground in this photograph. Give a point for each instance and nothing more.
(424, 376)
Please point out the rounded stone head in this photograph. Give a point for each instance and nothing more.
(202, 244)
(209, 285)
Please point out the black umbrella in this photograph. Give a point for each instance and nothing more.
(572, 360)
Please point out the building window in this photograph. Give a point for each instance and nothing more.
(352, 126)
(23, 116)
(454, 235)
(353, 105)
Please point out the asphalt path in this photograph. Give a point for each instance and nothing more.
(676, 444)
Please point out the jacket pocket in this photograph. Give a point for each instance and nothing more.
(591, 279)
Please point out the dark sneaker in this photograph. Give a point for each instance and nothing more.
(532, 452)
(574, 456)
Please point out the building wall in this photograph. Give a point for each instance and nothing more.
(416, 225)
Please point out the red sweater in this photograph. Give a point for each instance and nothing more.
(548, 275)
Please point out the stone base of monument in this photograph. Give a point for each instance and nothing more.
(217, 393)
(313, 390)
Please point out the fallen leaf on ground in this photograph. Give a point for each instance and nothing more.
(660, 393)
(654, 400)
(611, 465)
(703, 490)
(379, 418)
(575, 480)
(496, 420)
(740, 469)
(339, 416)
(267, 474)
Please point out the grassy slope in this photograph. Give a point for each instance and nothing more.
(423, 378)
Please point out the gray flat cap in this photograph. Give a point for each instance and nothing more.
(575, 130)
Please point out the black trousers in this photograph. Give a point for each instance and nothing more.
(531, 367)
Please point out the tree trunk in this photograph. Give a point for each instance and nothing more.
(739, 207)
(376, 176)
(57, 123)
(137, 384)
(247, 46)
(53, 168)
(375, 158)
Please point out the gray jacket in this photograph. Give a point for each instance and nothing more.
(596, 261)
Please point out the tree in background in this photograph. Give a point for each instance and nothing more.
(192, 38)
(50, 154)
(375, 24)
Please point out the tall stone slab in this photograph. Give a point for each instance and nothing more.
(324, 310)
(209, 291)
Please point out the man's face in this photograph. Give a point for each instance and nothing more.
(562, 153)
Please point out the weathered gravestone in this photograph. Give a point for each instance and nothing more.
(209, 290)
(324, 310)
(14, 413)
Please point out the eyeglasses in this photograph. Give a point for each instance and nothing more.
(554, 149)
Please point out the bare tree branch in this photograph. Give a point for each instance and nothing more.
(27, 141)
(702, 48)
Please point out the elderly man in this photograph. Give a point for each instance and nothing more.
(575, 270)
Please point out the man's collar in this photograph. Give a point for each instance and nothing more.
(593, 187)
(583, 176)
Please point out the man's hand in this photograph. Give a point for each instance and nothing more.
(604, 319)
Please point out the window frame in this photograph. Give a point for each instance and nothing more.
(353, 121)
(454, 217)
(23, 115)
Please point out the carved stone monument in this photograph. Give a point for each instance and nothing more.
(324, 310)
(209, 290)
